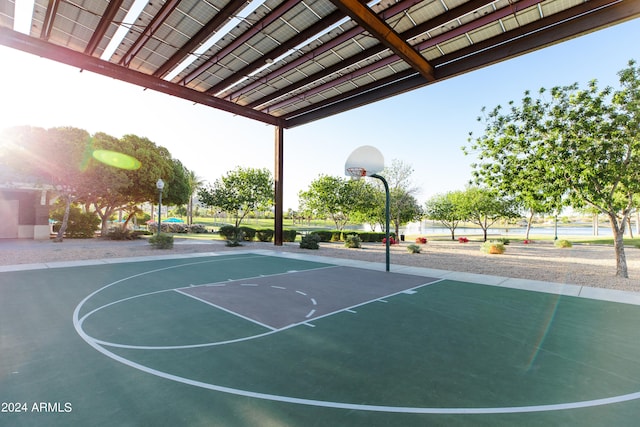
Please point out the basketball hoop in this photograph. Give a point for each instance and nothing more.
(356, 173)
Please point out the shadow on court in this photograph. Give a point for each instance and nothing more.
(254, 340)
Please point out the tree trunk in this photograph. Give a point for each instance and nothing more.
(529, 221)
(618, 244)
(65, 220)
(453, 233)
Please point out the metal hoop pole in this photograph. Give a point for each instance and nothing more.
(387, 214)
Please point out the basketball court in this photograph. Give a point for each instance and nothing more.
(272, 339)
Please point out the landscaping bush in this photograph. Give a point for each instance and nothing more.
(563, 244)
(81, 225)
(265, 235)
(463, 240)
(352, 241)
(413, 249)
(336, 236)
(324, 235)
(421, 240)
(174, 227)
(392, 240)
(289, 235)
(229, 232)
(119, 233)
(248, 233)
(310, 241)
(492, 247)
(371, 236)
(197, 228)
(162, 241)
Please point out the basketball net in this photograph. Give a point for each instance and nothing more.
(356, 173)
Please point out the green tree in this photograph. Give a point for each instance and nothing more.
(446, 209)
(336, 198)
(404, 207)
(240, 192)
(581, 142)
(484, 208)
(113, 189)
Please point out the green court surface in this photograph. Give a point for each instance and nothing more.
(268, 339)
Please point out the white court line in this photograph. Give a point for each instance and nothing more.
(328, 404)
(224, 309)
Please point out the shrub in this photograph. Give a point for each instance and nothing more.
(289, 235)
(119, 233)
(491, 247)
(463, 240)
(81, 225)
(371, 236)
(324, 235)
(421, 240)
(247, 233)
(174, 227)
(392, 240)
(265, 235)
(563, 244)
(197, 228)
(413, 249)
(310, 241)
(161, 241)
(228, 232)
(352, 241)
(336, 236)
(504, 240)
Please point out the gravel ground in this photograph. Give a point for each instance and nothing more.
(586, 265)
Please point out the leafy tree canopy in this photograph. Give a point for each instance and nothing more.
(240, 192)
(577, 145)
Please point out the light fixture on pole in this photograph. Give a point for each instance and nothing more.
(160, 187)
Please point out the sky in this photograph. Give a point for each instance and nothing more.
(425, 128)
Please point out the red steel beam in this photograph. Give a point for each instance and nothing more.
(103, 26)
(395, 9)
(83, 61)
(379, 29)
(425, 26)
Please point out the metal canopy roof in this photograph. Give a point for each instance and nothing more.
(289, 62)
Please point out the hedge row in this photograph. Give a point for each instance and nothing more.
(249, 234)
(339, 236)
(177, 227)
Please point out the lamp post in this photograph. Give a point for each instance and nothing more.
(159, 186)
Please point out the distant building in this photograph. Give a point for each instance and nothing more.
(24, 211)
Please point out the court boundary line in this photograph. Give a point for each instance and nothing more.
(329, 404)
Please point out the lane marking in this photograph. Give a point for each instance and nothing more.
(310, 313)
(77, 323)
(226, 310)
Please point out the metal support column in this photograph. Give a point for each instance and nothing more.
(387, 216)
(279, 152)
